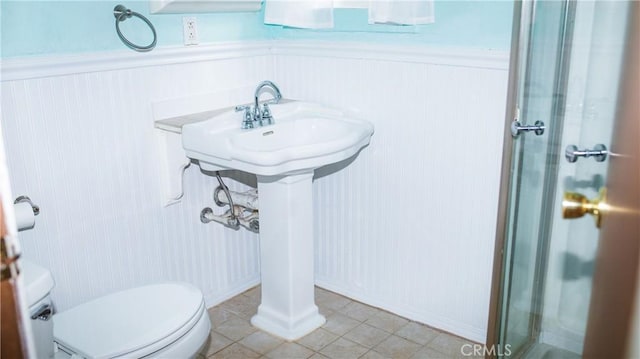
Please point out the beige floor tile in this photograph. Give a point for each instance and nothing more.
(359, 311)
(214, 344)
(242, 306)
(429, 353)
(235, 328)
(317, 339)
(261, 342)
(340, 324)
(217, 316)
(417, 333)
(448, 344)
(343, 349)
(387, 321)
(372, 354)
(321, 293)
(353, 330)
(330, 300)
(367, 335)
(397, 348)
(333, 304)
(326, 312)
(254, 293)
(289, 350)
(468, 353)
(235, 351)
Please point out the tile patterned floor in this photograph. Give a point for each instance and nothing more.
(352, 330)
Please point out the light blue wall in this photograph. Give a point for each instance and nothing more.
(56, 27)
(61, 27)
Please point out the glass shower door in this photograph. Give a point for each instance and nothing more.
(541, 50)
(570, 62)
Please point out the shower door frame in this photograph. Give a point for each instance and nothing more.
(497, 285)
(522, 31)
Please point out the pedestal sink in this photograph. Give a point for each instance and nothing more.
(283, 156)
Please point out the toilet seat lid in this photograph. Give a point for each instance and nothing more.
(127, 321)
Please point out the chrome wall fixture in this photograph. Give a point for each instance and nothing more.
(517, 127)
(34, 207)
(599, 153)
(121, 13)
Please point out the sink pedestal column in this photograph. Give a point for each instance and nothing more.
(287, 309)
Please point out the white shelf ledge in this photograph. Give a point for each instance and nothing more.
(203, 6)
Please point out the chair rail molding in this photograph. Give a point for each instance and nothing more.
(22, 68)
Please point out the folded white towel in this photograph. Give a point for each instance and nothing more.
(402, 12)
(308, 14)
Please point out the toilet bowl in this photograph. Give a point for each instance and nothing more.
(167, 320)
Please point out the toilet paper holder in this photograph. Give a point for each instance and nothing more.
(34, 207)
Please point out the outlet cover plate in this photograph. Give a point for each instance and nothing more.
(190, 30)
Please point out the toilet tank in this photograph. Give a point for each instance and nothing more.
(38, 283)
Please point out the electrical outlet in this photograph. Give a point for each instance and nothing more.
(190, 30)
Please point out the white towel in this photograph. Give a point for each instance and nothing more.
(401, 12)
(308, 14)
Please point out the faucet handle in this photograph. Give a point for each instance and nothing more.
(266, 114)
(247, 121)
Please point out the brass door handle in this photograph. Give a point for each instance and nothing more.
(576, 205)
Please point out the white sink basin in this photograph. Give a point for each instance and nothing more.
(305, 136)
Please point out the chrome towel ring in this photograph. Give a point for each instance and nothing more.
(121, 13)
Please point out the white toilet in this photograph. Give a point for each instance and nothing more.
(167, 320)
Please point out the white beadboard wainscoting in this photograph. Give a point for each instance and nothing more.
(80, 141)
(407, 226)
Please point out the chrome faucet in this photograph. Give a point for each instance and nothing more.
(253, 115)
(265, 113)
